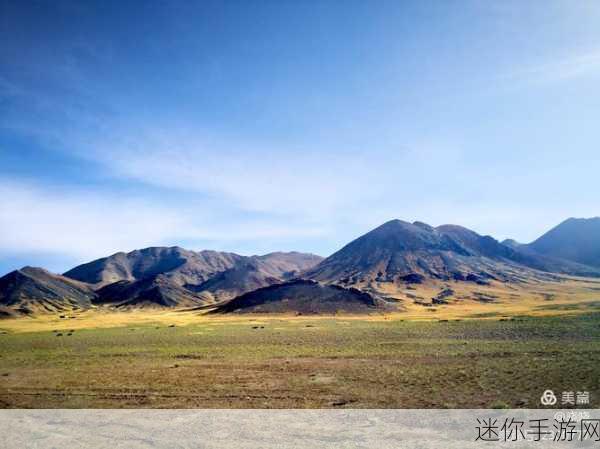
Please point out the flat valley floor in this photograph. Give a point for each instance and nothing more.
(185, 360)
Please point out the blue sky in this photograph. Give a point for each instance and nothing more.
(287, 125)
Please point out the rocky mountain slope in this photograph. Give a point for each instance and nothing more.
(31, 290)
(385, 261)
(576, 239)
(256, 272)
(153, 291)
(223, 275)
(150, 277)
(180, 265)
(305, 297)
(398, 251)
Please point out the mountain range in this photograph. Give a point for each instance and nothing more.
(397, 253)
(219, 275)
(150, 277)
(400, 251)
(576, 239)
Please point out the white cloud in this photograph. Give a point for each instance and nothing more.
(302, 182)
(77, 224)
(86, 225)
(560, 69)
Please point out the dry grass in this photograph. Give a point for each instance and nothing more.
(569, 297)
(467, 354)
(299, 362)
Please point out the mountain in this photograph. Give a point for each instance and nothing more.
(242, 278)
(153, 291)
(398, 251)
(511, 243)
(527, 256)
(31, 289)
(173, 276)
(181, 265)
(184, 267)
(386, 260)
(288, 264)
(576, 239)
(305, 297)
(402, 251)
(256, 272)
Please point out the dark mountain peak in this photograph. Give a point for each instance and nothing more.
(425, 233)
(397, 235)
(422, 225)
(33, 271)
(41, 273)
(287, 255)
(395, 226)
(32, 289)
(14, 275)
(292, 256)
(216, 273)
(183, 265)
(398, 250)
(305, 297)
(574, 224)
(575, 239)
(276, 254)
(157, 250)
(582, 221)
(511, 243)
(475, 244)
(394, 222)
(456, 230)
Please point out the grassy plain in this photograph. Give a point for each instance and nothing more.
(406, 360)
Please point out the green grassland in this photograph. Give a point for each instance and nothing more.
(295, 363)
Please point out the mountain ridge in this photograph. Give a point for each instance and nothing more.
(153, 291)
(575, 239)
(398, 250)
(33, 289)
(397, 253)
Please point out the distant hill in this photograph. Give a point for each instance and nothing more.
(174, 277)
(150, 277)
(511, 243)
(256, 272)
(282, 264)
(181, 265)
(305, 297)
(223, 274)
(400, 251)
(31, 290)
(242, 278)
(390, 260)
(576, 239)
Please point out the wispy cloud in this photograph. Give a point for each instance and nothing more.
(85, 225)
(563, 68)
(194, 176)
(302, 181)
(78, 224)
(308, 181)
